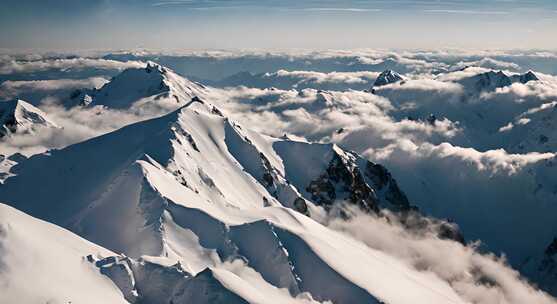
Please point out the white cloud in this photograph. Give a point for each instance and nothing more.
(478, 278)
(15, 66)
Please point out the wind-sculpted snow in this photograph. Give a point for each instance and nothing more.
(443, 138)
(158, 85)
(41, 263)
(482, 279)
(146, 188)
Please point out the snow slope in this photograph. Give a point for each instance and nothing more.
(153, 85)
(21, 117)
(43, 263)
(195, 188)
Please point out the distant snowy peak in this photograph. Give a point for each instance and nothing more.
(492, 80)
(142, 86)
(18, 116)
(387, 77)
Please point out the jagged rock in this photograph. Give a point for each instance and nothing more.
(383, 182)
(342, 181)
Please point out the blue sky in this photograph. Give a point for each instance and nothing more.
(201, 24)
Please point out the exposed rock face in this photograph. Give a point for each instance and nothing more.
(387, 77)
(492, 80)
(358, 182)
(343, 181)
(276, 184)
(384, 183)
(524, 78)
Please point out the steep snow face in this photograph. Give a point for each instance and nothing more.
(197, 189)
(387, 77)
(43, 263)
(153, 85)
(21, 117)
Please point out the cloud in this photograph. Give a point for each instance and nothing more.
(11, 66)
(333, 77)
(465, 12)
(341, 9)
(77, 124)
(34, 91)
(478, 278)
(491, 63)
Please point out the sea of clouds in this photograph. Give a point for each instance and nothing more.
(480, 164)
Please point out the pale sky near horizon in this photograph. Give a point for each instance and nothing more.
(268, 24)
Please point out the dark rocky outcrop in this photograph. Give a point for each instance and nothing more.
(342, 181)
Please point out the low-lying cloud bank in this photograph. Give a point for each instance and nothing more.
(11, 66)
(478, 278)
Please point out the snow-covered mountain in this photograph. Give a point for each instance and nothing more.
(387, 77)
(43, 263)
(186, 195)
(491, 80)
(153, 85)
(21, 117)
(194, 207)
(533, 130)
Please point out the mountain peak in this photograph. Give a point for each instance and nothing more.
(387, 77)
(491, 80)
(153, 84)
(20, 116)
(524, 78)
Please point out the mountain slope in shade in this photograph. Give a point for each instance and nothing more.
(43, 263)
(21, 117)
(197, 189)
(533, 130)
(153, 85)
(491, 80)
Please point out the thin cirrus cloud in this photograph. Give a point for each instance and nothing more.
(466, 12)
(274, 24)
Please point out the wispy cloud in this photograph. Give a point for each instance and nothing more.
(167, 3)
(340, 9)
(465, 12)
